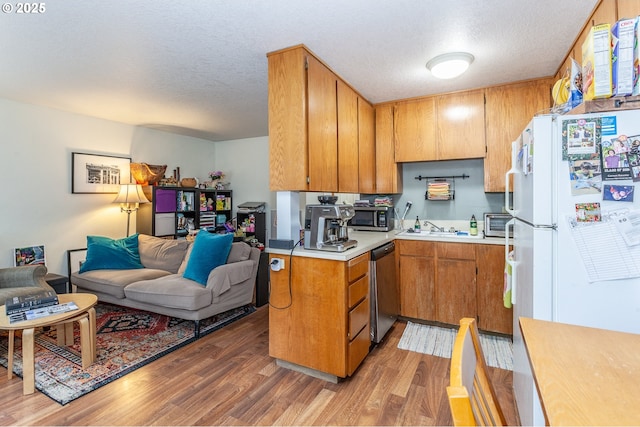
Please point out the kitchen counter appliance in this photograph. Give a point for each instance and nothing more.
(383, 291)
(372, 218)
(496, 225)
(571, 262)
(326, 227)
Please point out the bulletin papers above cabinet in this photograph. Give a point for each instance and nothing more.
(610, 245)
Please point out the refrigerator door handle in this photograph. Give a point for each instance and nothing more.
(512, 171)
(508, 208)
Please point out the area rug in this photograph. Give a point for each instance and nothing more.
(437, 341)
(126, 339)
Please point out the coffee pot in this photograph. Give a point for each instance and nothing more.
(326, 227)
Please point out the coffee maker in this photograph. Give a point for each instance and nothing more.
(326, 227)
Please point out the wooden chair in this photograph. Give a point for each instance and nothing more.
(472, 399)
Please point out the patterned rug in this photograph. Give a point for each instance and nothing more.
(437, 341)
(126, 340)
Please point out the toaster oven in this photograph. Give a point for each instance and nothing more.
(495, 225)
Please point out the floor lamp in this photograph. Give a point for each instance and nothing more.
(130, 197)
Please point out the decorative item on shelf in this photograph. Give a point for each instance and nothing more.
(146, 174)
(188, 182)
(168, 182)
(216, 179)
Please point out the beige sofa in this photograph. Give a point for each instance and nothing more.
(160, 287)
(20, 281)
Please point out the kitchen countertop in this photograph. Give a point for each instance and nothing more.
(368, 240)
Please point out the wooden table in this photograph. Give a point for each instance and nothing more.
(584, 376)
(85, 315)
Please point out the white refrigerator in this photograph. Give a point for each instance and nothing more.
(576, 230)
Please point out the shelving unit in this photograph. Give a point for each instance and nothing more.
(215, 207)
(174, 211)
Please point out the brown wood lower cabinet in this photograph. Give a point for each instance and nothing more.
(443, 282)
(492, 314)
(455, 282)
(319, 313)
(417, 278)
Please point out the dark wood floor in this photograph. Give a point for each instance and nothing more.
(228, 378)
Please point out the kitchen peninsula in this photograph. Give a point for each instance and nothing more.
(319, 302)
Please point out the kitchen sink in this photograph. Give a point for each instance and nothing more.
(454, 234)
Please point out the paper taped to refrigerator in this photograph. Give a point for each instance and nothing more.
(604, 249)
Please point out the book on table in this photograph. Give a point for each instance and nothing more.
(37, 313)
(31, 301)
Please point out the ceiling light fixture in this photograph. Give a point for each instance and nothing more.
(450, 65)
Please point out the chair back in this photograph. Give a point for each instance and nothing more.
(472, 398)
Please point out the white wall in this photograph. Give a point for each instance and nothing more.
(35, 164)
(245, 163)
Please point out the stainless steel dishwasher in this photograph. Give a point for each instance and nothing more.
(384, 291)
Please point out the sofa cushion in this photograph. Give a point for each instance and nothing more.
(113, 282)
(107, 253)
(240, 251)
(162, 254)
(173, 291)
(210, 250)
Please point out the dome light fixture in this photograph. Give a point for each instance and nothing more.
(450, 65)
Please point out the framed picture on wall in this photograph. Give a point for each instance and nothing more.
(97, 173)
(30, 255)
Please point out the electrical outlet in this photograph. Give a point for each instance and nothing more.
(277, 264)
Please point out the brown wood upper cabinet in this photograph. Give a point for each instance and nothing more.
(388, 171)
(366, 147)
(303, 117)
(356, 142)
(443, 127)
(460, 121)
(508, 110)
(288, 120)
(321, 131)
(414, 130)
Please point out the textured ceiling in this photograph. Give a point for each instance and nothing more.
(199, 68)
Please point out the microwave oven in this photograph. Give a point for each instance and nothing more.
(372, 218)
(495, 225)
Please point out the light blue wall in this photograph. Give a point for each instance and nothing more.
(470, 197)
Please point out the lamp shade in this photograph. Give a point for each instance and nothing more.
(450, 65)
(130, 193)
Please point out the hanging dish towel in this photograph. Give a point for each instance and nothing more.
(506, 294)
(438, 191)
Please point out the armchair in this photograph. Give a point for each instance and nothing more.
(17, 281)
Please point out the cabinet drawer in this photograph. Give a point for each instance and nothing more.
(358, 318)
(357, 267)
(358, 350)
(457, 250)
(358, 290)
(412, 247)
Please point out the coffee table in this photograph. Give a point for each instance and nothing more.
(85, 315)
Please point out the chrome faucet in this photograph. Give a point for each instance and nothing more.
(440, 229)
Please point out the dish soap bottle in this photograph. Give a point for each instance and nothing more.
(416, 227)
(473, 226)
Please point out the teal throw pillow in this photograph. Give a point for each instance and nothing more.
(104, 253)
(209, 251)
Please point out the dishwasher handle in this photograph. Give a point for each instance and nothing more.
(383, 251)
